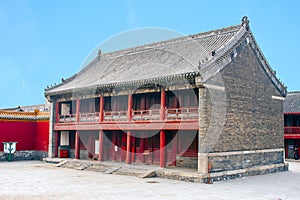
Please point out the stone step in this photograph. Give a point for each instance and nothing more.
(61, 163)
(112, 170)
(83, 167)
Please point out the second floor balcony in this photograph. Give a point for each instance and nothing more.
(170, 114)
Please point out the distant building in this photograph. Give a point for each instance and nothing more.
(30, 129)
(292, 124)
(205, 98)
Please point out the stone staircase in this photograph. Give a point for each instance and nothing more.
(115, 168)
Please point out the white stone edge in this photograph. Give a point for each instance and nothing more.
(244, 152)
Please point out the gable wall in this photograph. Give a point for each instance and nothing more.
(253, 119)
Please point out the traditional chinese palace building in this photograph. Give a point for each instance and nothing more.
(292, 123)
(206, 98)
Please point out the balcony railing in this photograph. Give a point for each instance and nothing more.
(89, 117)
(115, 115)
(139, 115)
(181, 113)
(69, 118)
(292, 130)
(144, 115)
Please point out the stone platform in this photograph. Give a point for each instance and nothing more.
(175, 173)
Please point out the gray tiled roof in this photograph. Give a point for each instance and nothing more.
(190, 55)
(292, 102)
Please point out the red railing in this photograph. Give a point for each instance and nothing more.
(181, 113)
(292, 130)
(144, 115)
(89, 117)
(69, 118)
(115, 115)
(141, 115)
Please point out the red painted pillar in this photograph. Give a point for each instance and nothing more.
(162, 149)
(77, 110)
(129, 137)
(56, 144)
(101, 109)
(129, 110)
(77, 145)
(101, 143)
(133, 148)
(162, 104)
(128, 149)
(57, 112)
(162, 142)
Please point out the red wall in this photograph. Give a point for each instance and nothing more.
(30, 135)
(42, 136)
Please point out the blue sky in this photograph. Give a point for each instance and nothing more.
(43, 41)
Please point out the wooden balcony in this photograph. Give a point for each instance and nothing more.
(89, 117)
(115, 116)
(69, 118)
(171, 114)
(292, 130)
(146, 115)
(182, 113)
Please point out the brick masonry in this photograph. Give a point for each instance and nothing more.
(252, 120)
(25, 155)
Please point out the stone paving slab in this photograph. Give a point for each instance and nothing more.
(39, 180)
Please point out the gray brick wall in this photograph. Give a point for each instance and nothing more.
(253, 119)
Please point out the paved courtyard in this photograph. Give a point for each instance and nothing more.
(39, 180)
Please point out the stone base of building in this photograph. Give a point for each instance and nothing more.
(175, 173)
(221, 176)
(236, 160)
(252, 171)
(25, 155)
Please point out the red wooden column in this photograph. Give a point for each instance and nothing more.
(56, 144)
(162, 104)
(101, 109)
(77, 145)
(162, 142)
(128, 148)
(162, 149)
(129, 137)
(101, 143)
(57, 112)
(129, 108)
(101, 132)
(133, 140)
(77, 110)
